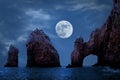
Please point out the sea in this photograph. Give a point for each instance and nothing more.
(60, 73)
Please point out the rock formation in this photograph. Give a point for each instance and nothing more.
(78, 53)
(12, 60)
(40, 52)
(103, 42)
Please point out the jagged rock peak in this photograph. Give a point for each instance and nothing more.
(38, 36)
(38, 31)
(79, 40)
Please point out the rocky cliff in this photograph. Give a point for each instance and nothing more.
(40, 52)
(103, 42)
(12, 60)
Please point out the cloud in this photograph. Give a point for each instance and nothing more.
(92, 6)
(22, 37)
(6, 42)
(51, 35)
(32, 26)
(38, 14)
(37, 19)
(82, 6)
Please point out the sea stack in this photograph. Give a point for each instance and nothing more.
(78, 52)
(104, 42)
(40, 51)
(12, 60)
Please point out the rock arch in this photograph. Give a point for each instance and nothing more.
(103, 42)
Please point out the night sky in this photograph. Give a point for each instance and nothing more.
(18, 18)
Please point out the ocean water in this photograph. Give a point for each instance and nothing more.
(85, 73)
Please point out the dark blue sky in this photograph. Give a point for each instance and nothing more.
(20, 17)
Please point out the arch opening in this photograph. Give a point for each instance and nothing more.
(90, 60)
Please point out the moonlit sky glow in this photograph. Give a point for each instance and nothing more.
(18, 18)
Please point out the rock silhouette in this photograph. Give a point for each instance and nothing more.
(12, 60)
(40, 51)
(103, 42)
(78, 51)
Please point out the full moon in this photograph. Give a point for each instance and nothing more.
(64, 29)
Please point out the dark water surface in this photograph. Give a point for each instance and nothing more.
(85, 73)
